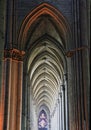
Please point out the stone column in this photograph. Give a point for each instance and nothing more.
(5, 97)
(13, 95)
(13, 89)
(28, 103)
(2, 67)
(7, 81)
(63, 106)
(24, 103)
(60, 108)
(2, 96)
(81, 64)
(84, 10)
(19, 95)
(66, 100)
(58, 113)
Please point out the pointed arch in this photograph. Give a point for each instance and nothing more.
(42, 121)
(42, 9)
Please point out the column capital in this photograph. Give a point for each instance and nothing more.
(15, 54)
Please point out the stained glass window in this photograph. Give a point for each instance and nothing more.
(42, 121)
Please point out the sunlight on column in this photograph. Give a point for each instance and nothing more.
(1, 118)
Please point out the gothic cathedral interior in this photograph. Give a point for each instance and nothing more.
(44, 64)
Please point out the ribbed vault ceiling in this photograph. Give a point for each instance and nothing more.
(45, 67)
(45, 61)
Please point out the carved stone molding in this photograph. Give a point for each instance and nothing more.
(14, 54)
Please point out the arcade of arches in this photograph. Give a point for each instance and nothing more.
(44, 66)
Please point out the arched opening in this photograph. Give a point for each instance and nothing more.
(44, 37)
(42, 70)
(42, 121)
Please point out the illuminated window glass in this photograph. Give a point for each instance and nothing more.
(42, 121)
